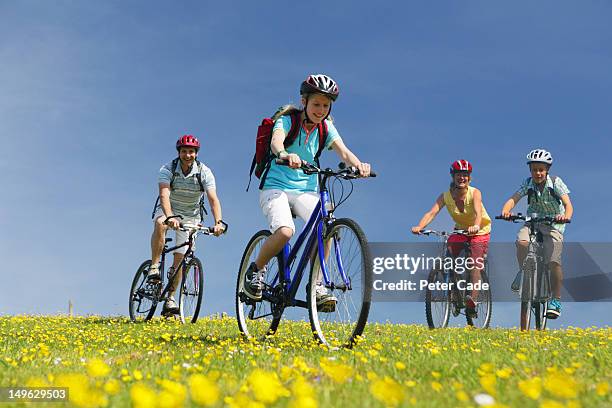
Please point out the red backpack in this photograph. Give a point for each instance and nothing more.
(263, 154)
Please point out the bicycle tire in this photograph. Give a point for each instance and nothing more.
(248, 312)
(437, 312)
(138, 292)
(347, 322)
(485, 303)
(527, 287)
(539, 311)
(192, 291)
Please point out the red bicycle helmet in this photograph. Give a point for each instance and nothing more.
(319, 83)
(188, 141)
(461, 165)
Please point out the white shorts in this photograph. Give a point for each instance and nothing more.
(180, 236)
(278, 206)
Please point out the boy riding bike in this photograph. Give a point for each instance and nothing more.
(464, 204)
(547, 196)
(182, 183)
(287, 190)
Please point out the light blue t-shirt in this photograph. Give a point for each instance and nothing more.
(543, 203)
(306, 146)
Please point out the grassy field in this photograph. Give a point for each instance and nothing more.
(111, 362)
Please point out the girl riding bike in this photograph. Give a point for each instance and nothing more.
(464, 204)
(287, 190)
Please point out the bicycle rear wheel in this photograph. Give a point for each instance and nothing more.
(349, 268)
(484, 304)
(144, 296)
(192, 291)
(437, 300)
(259, 319)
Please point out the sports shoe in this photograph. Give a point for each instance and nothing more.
(253, 282)
(326, 302)
(153, 275)
(516, 283)
(470, 307)
(170, 307)
(553, 310)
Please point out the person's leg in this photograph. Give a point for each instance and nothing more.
(553, 247)
(522, 247)
(275, 206)
(479, 247)
(157, 245)
(181, 237)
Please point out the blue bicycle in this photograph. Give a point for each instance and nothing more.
(339, 258)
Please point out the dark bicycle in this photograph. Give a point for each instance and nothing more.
(447, 289)
(145, 295)
(339, 259)
(535, 289)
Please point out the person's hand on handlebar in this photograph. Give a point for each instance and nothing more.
(173, 222)
(364, 169)
(416, 230)
(218, 229)
(506, 215)
(293, 159)
(561, 218)
(473, 229)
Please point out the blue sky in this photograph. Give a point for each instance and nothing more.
(94, 95)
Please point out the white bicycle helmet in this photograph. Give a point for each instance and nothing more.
(540, 156)
(319, 83)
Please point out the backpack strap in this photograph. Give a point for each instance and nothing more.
(323, 132)
(289, 139)
(173, 172)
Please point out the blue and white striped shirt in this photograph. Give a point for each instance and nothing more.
(185, 194)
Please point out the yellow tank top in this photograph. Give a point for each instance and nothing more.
(465, 219)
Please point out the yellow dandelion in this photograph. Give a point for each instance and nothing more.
(561, 386)
(400, 366)
(112, 387)
(339, 373)
(602, 388)
(387, 391)
(436, 386)
(203, 391)
(547, 403)
(266, 386)
(97, 368)
(532, 387)
(142, 396)
(462, 396)
(488, 383)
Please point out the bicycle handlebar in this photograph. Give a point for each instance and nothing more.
(443, 233)
(521, 217)
(345, 172)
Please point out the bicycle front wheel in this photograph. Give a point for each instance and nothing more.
(527, 290)
(143, 295)
(258, 319)
(349, 268)
(484, 303)
(539, 312)
(437, 299)
(192, 291)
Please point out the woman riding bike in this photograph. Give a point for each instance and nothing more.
(464, 204)
(286, 189)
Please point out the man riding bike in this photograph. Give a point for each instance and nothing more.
(182, 183)
(548, 196)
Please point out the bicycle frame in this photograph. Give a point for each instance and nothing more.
(311, 234)
(182, 266)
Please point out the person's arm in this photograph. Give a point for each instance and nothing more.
(429, 215)
(215, 207)
(349, 157)
(510, 204)
(569, 209)
(473, 229)
(278, 148)
(164, 202)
